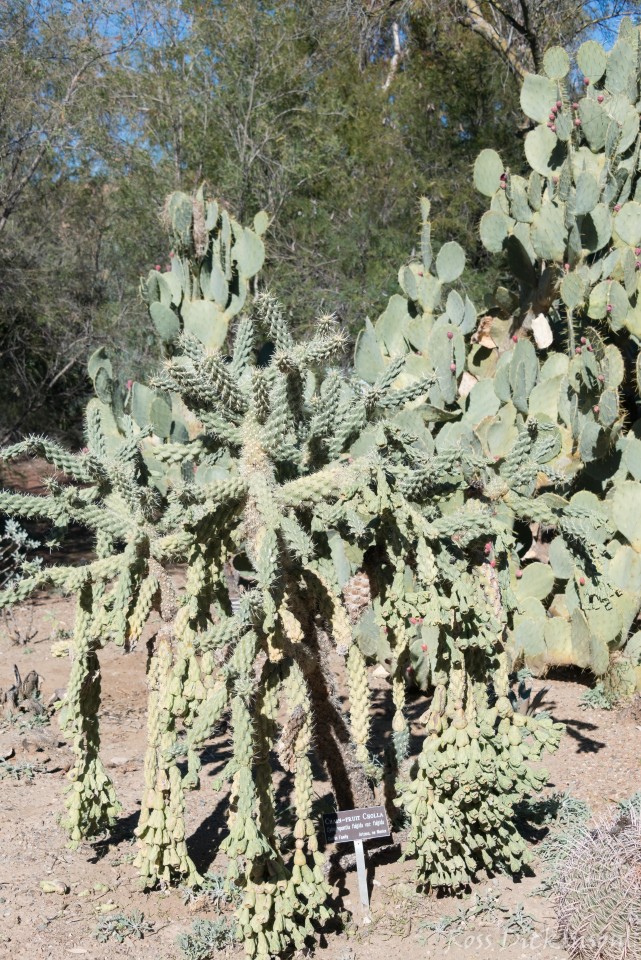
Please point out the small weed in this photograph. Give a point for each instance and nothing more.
(488, 907)
(121, 925)
(205, 938)
(26, 721)
(18, 771)
(519, 923)
(216, 890)
(632, 804)
(597, 699)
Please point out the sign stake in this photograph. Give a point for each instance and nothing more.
(361, 869)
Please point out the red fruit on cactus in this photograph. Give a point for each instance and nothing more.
(157, 267)
(450, 335)
(617, 207)
(586, 81)
(453, 367)
(130, 384)
(600, 98)
(423, 647)
(582, 581)
(595, 408)
(487, 548)
(519, 574)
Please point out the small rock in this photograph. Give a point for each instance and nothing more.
(58, 695)
(54, 886)
(117, 761)
(6, 751)
(380, 672)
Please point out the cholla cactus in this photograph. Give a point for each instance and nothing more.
(598, 891)
(326, 481)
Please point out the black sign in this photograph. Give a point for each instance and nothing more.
(346, 826)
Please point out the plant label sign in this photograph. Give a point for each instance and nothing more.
(354, 826)
(347, 826)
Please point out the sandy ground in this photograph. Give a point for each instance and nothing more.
(598, 762)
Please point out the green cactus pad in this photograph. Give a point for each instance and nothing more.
(596, 228)
(99, 358)
(543, 151)
(538, 96)
(548, 232)
(622, 62)
(594, 123)
(368, 359)
(261, 223)
(627, 223)
(249, 252)
(392, 328)
(450, 262)
(537, 581)
(205, 320)
(624, 569)
(556, 63)
(626, 511)
(519, 206)
(165, 321)
(561, 560)
(592, 60)
(487, 172)
(588, 194)
(494, 229)
(573, 290)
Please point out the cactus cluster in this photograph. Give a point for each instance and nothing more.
(571, 236)
(459, 495)
(323, 482)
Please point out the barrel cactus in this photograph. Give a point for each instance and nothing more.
(598, 890)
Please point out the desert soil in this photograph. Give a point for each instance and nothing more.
(598, 762)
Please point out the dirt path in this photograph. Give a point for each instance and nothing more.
(598, 762)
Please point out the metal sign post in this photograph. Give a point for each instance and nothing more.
(361, 870)
(355, 826)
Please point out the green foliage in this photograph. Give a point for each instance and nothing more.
(597, 698)
(121, 926)
(207, 937)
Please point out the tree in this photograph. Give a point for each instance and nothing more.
(519, 31)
